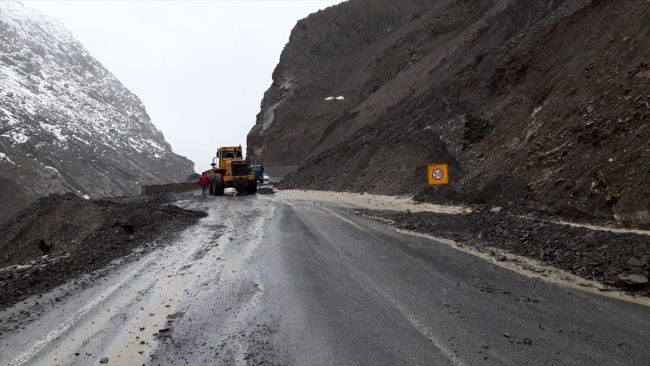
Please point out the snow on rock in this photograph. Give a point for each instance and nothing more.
(17, 136)
(61, 109)
(4, 157)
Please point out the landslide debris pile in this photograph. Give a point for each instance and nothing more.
(615, 259)
(543, 104)
(61, 237)
(66, 123)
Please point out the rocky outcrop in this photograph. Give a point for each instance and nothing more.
(535, 103)
(322, 61)
(66, 123)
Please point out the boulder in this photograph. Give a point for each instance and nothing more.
(634, 262)
(632, 281)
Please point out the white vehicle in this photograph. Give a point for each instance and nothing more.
(266, 179)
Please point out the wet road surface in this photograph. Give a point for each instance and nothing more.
(270, 281)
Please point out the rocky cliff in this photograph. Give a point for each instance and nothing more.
(541, 104)
(66, 123)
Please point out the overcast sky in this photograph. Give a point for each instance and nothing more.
(200, 67)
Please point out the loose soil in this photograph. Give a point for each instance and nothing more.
(62, 237)
(368, 201)
(600, 255)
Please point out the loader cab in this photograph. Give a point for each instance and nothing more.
(228, 154)
(225, 154)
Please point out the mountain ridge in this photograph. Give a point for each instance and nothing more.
(66, 123)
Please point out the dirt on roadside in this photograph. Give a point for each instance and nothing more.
(613, 258)
(61, 237)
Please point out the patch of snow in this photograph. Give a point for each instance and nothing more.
(52, 168)
(135, 145)
(155, 145)
(63, 96)
(85, 196)
(340, 98)
(536, 110)
(10, 120)
(4, 156)
(18, 137)
(54, 130)
(329, 98)
(84, 141)
(16, 14)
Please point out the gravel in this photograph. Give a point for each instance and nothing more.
(600, 255)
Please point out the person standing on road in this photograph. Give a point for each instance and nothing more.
(204, 182)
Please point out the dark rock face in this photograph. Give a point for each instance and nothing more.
(551, 95)
(66, 123)
(321, 60)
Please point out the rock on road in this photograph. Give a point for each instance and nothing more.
(275, 280)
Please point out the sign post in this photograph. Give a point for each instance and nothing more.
(438, 174)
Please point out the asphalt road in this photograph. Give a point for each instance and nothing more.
(271, 281)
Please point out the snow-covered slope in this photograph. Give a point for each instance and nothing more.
(66, 123)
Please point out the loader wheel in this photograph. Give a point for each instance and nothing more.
(252, 187)
(217, 181)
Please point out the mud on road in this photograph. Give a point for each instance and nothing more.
(303, 278)
(190, 301)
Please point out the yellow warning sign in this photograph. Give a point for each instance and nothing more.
(438, 174)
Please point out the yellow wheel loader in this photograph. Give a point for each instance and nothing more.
(231, 172)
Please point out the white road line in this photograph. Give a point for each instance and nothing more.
(427, 332)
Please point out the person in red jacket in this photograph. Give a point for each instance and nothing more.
(204, 182)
